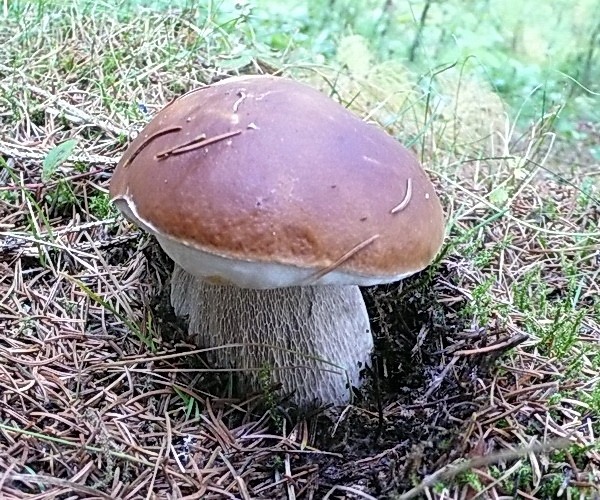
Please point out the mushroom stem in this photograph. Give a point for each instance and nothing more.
(314, 340)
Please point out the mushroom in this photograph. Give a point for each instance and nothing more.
(276, 203)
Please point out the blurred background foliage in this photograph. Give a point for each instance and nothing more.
(541, 58)
(535, 55)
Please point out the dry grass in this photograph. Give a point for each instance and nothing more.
(495, 347)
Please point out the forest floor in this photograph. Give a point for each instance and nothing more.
(485, 381)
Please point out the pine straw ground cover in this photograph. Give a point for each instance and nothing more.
(486, 370)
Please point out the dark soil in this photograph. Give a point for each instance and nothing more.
(410, 416)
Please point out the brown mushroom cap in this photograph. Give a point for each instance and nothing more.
(266, 170)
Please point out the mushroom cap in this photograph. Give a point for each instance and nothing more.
(265, 182)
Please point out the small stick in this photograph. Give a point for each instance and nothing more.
(452, 470)
(502, 346)
(195, 140)
(440, 378)
(404, 203)
(55, 481)
(350, 253)
(184, 148)
(348, 489)
(147, 141)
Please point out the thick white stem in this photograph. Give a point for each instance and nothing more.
(313, 340)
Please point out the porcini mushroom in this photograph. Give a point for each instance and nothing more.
(276, 203)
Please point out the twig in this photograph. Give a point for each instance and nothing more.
(440, 378)
(197, 143)
(164, 446)
(452, 470)
(407, 197)
(347, 256)
(148, 140)
(348, 489)
(65, 442)
(55, 481)
(242, 488)
(502, 346)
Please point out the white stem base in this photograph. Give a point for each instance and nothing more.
(313, 340)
